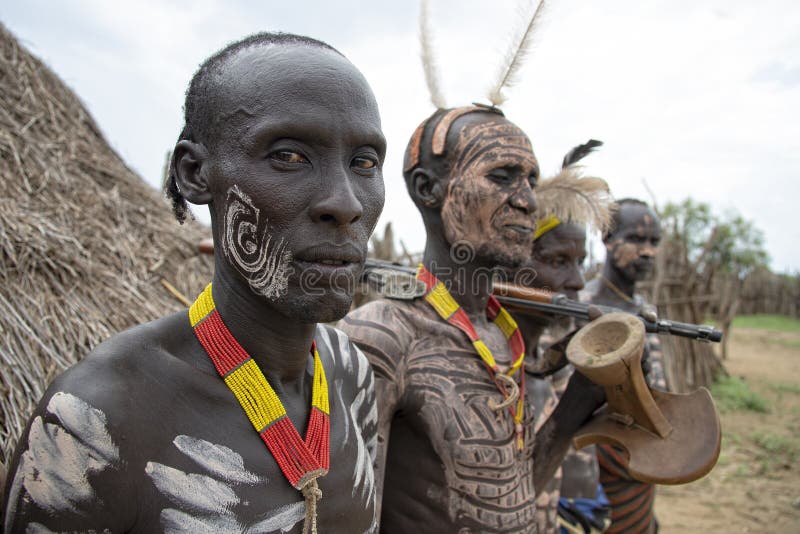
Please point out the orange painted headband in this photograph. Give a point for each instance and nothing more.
(440, 132)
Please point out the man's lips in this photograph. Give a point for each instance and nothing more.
(332, 255)
(519, 228)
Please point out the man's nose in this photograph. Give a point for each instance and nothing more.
(647, 251)
(575, 281)
(339, 204)
(524, 199)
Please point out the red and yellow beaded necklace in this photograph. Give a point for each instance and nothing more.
(301, 461)
(449, 310)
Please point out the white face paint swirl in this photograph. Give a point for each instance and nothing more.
(264, 262)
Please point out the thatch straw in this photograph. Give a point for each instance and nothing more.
(84, 243)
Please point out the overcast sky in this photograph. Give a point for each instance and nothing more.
(697, 98)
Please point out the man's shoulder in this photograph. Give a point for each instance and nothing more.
(111, 374)
(340, 348)
(382, 309)
(385, 323)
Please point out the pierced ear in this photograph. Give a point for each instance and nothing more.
(189, 165)
(427, 188)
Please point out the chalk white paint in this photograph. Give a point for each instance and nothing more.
(363, 475)
(368, 384)
(204, 503)
(281, 519)
(86, 422)
(54, 468)
(264, 262)
(196, 493)
(218, 460)
(174, 521)
(360, 414)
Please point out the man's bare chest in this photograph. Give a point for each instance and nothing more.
(209, 470)
(451, 394)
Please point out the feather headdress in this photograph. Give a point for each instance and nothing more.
(571, 197)
(509, 68)
(507, 75)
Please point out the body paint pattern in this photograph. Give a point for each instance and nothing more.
(52, 474)
(429, 372)
(263, 261)
(361, 427)
(207, 502)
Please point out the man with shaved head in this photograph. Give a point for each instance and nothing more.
(243, 414)
(458, 450)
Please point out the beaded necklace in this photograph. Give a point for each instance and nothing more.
(301, 461)
(449, 310)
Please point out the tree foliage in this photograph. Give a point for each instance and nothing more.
(714, 243)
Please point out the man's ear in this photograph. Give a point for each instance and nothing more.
(189, 163)
(427, 188)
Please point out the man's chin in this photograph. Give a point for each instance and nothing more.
(509, 257)
(323, 307)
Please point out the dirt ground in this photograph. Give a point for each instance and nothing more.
(755, 486)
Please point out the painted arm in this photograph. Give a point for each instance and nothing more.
(370, 328)
(65, 474)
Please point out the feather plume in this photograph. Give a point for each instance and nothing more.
(571, 197)
(580, 152)
(515, 57)
(428, 59)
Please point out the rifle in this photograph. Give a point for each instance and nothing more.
(398, 281)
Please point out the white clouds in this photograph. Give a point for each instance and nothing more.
(699, 98)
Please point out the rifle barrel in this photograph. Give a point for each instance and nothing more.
(529, 299)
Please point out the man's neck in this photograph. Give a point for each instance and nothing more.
(278, 344)
(624, 285)
(468, 283)
(614, 290)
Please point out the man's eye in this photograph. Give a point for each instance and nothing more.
(500, 176)
(288, 156)
(364, 163)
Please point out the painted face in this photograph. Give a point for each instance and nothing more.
(558, 259)
(633, 245)
(490, 200)
(296, 176)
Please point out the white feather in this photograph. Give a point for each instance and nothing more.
(428, 59)
(512, 62)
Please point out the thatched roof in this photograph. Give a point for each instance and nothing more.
(85, 244)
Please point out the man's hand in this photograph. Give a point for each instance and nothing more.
(589, 395)
(648, 312)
